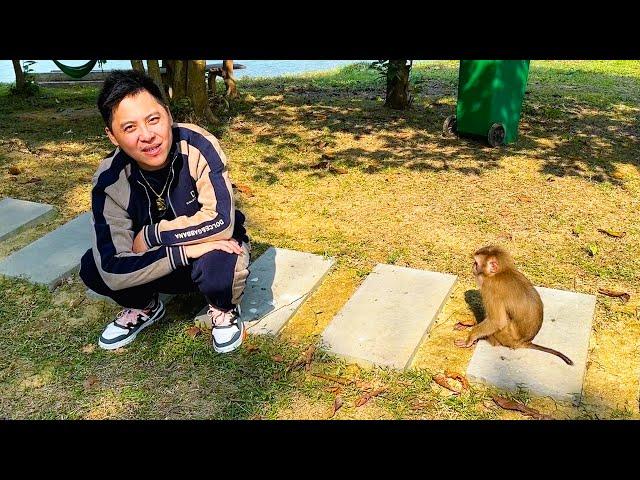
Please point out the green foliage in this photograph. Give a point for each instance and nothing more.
(388, 69)
(380, 66)
(182, 110)
(30, 87)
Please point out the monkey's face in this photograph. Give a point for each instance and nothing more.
(484, 266)
(476, 267)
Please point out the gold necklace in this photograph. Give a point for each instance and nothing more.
(160, 203)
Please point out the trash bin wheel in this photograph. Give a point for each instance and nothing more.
(496, 135)
(450, 126)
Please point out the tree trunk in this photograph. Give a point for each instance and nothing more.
(154, 72)
(20, 81)
(229, 79)
(138, 65)
(177, 78)
(398, 96)
(197, 89)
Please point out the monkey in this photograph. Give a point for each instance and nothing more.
(513, 307)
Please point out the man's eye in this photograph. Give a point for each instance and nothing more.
(154, 120)
(128, 128)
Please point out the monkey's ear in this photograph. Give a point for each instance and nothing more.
(493, 265)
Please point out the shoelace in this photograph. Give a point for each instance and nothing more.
(129, 317)
(220, 318)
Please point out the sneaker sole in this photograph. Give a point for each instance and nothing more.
(233, 346)
(128, 340)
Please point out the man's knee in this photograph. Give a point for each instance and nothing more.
(214, 271)
(89, 273)
(88, 268)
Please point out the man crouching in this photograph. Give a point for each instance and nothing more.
(164, 219)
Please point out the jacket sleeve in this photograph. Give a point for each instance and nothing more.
(216, 217)
(113, 238)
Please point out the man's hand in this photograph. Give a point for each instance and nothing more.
(139, 245)
(199, 249)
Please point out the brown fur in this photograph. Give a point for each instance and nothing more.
(513, 308)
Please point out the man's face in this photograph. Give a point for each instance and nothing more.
(141, 127)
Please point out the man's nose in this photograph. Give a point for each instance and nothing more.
(146, 134)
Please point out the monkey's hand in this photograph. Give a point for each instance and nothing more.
(464, 343)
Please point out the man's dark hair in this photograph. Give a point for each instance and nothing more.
(120, 84)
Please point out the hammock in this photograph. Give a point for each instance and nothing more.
(77, 72)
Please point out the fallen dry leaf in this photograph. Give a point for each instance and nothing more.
(337, 404)
(244, 189)
(368, 396)
(624, 296)
(363, 385)
(90, 382)
(14, 170)
(524, 198)
(194, 331)
(520, 407)
(441, 380)
(304, 359)
(421, 404)
(251, 348)
(277, 358)
(308, 357)
(338, 170)
(90, 348)
(458, 376)
(77, 302)
(334, 389)
(340, 380)
(322, 164)
(326, 165)
(611, 233)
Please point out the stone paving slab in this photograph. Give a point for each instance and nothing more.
(17, 215)
(53, 256)
(387, 318)
(280, 280)
(566, 327)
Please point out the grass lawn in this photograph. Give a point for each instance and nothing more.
(396, 192)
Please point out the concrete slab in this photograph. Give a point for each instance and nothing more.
(53, 256)
(280, 280)
(387, 318)
(566, 327)
(17, 215)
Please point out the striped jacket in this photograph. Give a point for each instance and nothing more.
(200, 196)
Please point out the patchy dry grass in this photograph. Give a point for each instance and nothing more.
(398, 193)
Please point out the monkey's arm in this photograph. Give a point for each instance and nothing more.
(496, 320)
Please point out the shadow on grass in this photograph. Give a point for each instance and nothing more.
(474, 300)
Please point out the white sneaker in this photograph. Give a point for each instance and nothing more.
(129, 322)
(228, 330)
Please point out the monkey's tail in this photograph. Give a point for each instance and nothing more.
(566, 359)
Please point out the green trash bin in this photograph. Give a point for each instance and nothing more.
(490, 94)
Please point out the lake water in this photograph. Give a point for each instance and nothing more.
(255, 68)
